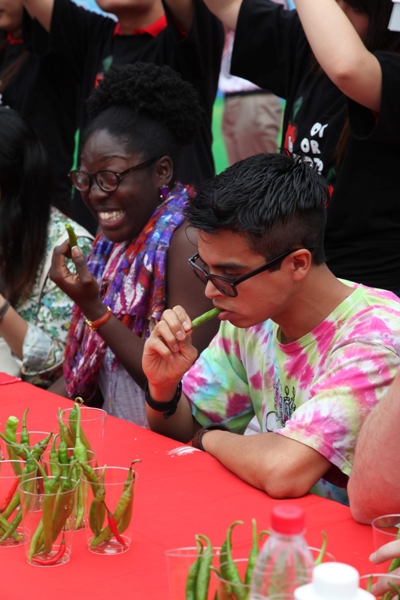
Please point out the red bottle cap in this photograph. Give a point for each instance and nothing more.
(288, 519)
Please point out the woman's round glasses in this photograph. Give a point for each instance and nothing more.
(108, 181)
(228, 286)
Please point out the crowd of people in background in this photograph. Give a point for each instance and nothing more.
(106, 124)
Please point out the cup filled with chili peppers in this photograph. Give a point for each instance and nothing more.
(11, 474)
(59, 457)
(92, 426)
(189, 570)
(110, 497)
(49, 510)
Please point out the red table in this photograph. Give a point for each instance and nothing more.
(176, 496)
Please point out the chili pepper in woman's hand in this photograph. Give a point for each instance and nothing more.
(71, 235)
(54, 559)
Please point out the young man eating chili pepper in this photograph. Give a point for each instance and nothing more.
(308, 354)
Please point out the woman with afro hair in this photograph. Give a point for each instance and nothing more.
(142, 116)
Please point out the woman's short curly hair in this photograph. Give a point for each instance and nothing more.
(151, 109)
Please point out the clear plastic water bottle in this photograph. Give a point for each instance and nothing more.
(333, 581)
(285, 561)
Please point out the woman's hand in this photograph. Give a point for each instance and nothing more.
(81, 286)
(168, 353)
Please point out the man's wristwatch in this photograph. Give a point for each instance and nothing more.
(196, 441)
(168, 408)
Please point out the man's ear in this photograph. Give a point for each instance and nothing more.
(164, 170)
(301, 261)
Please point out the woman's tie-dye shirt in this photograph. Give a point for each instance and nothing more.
(316, 390)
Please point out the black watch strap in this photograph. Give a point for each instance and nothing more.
(168, 408)
(197, 443)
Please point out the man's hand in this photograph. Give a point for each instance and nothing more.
(168, 353)
(384, 553)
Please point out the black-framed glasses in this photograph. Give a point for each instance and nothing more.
(108, 181)
(228, 286)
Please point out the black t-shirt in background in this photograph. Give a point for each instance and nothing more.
(362, 238)
(45, 91)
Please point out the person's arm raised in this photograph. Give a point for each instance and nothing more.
(82, 288)
(341, 52)
(42, 10)
(374, 484)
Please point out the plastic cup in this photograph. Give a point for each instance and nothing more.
(9, 481)
(385, 529)
(225, 587)
(38, 507)
(81, 503)
(93, 422)
(379, 583)
(179, 561)
(111, 508)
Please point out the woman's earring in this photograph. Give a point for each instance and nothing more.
(164, 191)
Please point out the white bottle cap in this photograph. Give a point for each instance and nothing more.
(333, 581)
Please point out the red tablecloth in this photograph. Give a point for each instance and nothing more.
(176, 496)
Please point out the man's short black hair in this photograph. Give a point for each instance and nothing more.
(277, 201)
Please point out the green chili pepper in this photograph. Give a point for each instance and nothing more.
(65, 433)
(320, 556)
(41, 446)
(193, 571)
(19, 451)
(119, 512)
(127, 516)
(204, 572)
(80, 450)
(73, 419)
(205, 317)
(232, 571)
(10, 431)
(97, 510)
(64, 504)
(90, 476)
(51, 486)
(253, 554)
(27, 473)
(9, 529)
(24, 431)
(71, 235)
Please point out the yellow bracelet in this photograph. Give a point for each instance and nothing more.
(94, 325)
